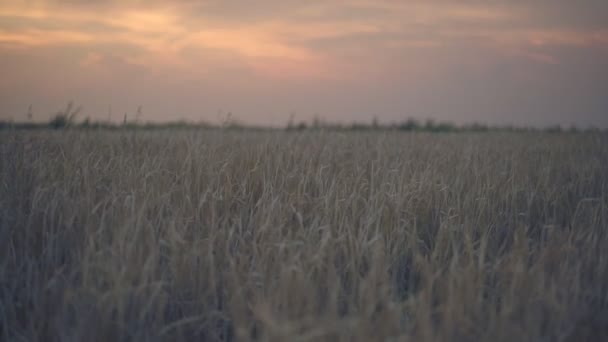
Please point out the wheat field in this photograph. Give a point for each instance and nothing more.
(229, 235)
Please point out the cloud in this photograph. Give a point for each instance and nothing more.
(289, 30)
(326, 49)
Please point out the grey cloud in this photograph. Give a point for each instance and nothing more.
(463, 76)
(542, 13)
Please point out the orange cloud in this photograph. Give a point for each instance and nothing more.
(92, 59)
(34, 37)
(289, 44)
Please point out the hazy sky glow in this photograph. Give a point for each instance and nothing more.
(538, 63)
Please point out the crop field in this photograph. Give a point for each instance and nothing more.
(244, 235)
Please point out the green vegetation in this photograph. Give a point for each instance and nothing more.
(226, 235)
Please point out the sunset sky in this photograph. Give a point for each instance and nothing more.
(535, 63)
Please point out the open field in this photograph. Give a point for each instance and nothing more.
(220, 235)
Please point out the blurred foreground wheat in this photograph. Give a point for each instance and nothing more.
(303, 236)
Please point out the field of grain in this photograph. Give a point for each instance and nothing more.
(227, 235)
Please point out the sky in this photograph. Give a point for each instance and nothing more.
(527, 63)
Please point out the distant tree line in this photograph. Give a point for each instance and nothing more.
(430, 125)
(67, 119)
